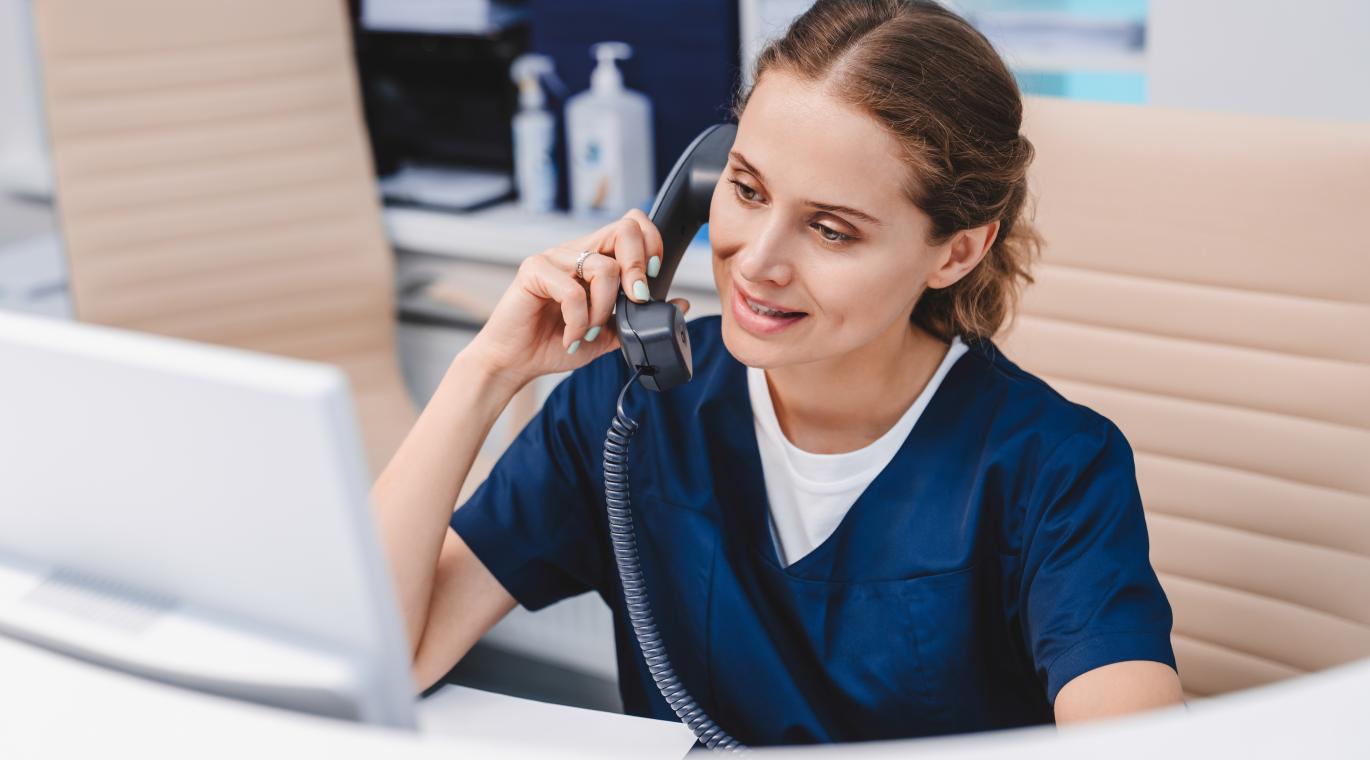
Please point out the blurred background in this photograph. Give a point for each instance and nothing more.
(261, 174)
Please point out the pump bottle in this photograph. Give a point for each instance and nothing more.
(609, 140)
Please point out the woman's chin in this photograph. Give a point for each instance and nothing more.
(753, 351)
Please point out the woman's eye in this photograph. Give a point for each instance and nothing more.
(831, 235)
(744, 192)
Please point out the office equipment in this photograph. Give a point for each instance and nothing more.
(653, 337)
(220, 189)
(450, 188)
(656, 346)
(439, 16)
(442, 96)
(196, 515)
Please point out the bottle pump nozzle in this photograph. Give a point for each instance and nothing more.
(529, 71)
(607, 77)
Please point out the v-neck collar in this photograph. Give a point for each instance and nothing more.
(830, 473)
(736, 460)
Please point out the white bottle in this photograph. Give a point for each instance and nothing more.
(609, 140)
(535, 172)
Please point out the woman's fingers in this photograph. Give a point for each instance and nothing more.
(629, 251)
(628, 245)
(548, 279)
(635, 243)
(602, 275)
(520, 337)
(654, 243)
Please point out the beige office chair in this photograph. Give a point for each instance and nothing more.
(1206, 285)
(214, 183)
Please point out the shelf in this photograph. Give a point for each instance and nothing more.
(506, 234)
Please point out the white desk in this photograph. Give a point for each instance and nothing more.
(52, 707)
(55, 707)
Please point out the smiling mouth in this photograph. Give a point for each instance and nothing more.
(766, 311)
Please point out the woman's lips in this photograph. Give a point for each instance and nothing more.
(768, 304)
(759, 324)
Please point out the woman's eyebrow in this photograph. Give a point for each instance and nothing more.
(830, 207)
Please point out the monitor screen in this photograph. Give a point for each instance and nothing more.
(196, 514)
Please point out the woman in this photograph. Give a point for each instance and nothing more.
(859, 520)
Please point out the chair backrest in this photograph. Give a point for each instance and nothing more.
(1206, 285)
(214, 183)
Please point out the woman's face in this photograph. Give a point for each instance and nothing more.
(810, 218)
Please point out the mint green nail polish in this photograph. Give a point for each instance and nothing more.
(575, 345)
(591, 334)
(654, 266)
(641, 292)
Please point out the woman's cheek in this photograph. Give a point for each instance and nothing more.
(726, 230)
(720, 219)
(854, 293)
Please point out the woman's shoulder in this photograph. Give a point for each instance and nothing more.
(1021, 400)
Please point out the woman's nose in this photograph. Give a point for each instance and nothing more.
(764, 258)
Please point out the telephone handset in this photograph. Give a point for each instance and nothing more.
(656, 346)
(652, 335)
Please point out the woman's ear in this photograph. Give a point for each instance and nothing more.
(962, 253)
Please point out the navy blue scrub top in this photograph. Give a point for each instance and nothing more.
(1001, 553)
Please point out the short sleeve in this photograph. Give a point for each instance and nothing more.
(535, 522)
(1090, 595)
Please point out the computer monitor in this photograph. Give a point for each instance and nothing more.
(194, 514)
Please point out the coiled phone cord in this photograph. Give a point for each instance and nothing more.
(635, 599)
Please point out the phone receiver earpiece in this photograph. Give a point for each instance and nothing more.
(652, 335)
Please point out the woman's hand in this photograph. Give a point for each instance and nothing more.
(550, 321)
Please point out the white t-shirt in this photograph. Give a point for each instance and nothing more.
(811, 493)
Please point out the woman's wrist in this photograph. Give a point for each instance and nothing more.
(482, 373)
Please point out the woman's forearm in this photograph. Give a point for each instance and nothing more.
(416, 493)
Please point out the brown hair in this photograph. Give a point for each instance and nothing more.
(942, 91)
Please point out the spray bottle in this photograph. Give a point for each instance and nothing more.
(535, 171)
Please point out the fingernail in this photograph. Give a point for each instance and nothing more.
(591, 334)
(575, 345)
(640, 291)
(654, 266)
